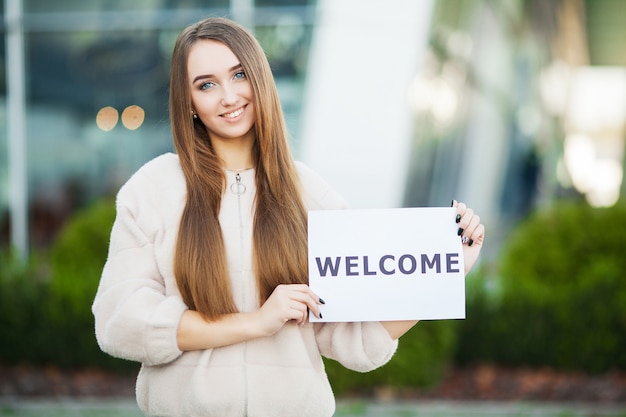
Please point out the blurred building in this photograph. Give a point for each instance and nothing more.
(505, 105)
(95, 87)
(502, 104)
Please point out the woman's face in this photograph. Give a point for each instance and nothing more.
(221, 93)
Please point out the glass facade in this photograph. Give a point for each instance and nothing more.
(487, 98)
(96, 92)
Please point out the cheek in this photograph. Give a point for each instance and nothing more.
(194, 101)
(246, 91)
(252, 105)
(202, 103)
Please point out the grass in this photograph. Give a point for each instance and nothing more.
(127, 408)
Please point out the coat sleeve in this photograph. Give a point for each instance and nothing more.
(134, 319)
(362, 346)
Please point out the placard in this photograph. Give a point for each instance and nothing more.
(386, 264)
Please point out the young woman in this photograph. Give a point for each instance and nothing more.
(206, 278)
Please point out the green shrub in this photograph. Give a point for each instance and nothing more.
(78, 255)
(24, 291)
(424, 353)
(561, 296)
(45, 303)
(77, 258)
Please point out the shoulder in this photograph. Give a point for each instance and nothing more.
(316, 192)
(158, 181)
(161, 167)
(161, 171)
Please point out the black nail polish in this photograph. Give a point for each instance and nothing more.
(460, 232)
(321, 317)
(322, 301)
(458, 218)
(471, 242)
(452, 204)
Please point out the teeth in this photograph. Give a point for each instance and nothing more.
(234, 114)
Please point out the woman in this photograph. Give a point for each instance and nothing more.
(206, 279)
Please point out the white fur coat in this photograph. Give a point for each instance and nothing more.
(138, 306)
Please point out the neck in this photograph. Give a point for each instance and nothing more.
(238, 165)
(236, 154)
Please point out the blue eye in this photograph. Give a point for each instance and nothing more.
(207, 85)
(240, 75)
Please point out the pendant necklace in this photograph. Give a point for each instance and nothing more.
(238, 187)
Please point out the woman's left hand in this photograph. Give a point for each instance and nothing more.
(472, 233)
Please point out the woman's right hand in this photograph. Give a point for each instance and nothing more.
(288, 302)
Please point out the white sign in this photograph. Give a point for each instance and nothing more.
(386, 264)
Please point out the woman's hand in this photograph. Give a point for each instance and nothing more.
(472, 233)
(287, 302)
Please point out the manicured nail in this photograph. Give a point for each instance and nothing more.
(321, 317)
(471, 242)
(322, 301)
(452, 204)
(464, 240)
(458, 218)
(460, 232)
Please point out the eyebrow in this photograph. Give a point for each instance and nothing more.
(202, 77)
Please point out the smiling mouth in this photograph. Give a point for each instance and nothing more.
(234, 114)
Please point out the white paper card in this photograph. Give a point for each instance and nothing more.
(386, 264)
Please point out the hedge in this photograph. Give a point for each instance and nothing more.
(45, 303)
(556, 298)
(24, 294)
(77, 257)
(559, 295)
(45, 313)
(424, 355)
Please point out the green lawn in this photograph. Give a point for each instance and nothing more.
(127, 408)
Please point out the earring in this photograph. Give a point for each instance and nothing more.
(193, 114)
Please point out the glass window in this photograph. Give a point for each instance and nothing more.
(47, 6)
(283, 2)
(97, 80)
(73, 79)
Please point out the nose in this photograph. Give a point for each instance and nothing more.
(230, 96)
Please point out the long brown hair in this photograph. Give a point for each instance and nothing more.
(280, 219)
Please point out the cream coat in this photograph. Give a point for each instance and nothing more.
(137, 309)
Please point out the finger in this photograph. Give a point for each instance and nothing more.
(478, 235)
(301, 313)
(460, 208)
(466, 217)
(316, 298)
(311, 302)
(303, 318)
(473, 224)
(301, 294)
(313, 306)
(298, 287)
(309, 298)
(293, 313)
(306, 289)
(465, 220)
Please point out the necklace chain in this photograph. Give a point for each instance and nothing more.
(238, 170)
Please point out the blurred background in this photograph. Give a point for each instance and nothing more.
(517, 107)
